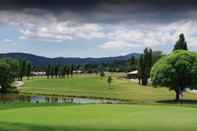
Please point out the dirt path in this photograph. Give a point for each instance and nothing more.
(18, 84)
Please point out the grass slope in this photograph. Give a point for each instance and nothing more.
(94, 86)
(97, 118)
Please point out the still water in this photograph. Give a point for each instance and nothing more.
(57, 99)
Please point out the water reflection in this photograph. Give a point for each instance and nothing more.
(57, 99)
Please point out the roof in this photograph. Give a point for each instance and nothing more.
(133, 72)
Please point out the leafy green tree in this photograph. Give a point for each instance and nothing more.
(28, 70)
(102, 74)
(8, 73)
(176, 71)
(181, 44)
(109, 80)
(156, 55)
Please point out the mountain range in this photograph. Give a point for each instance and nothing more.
(44, 61)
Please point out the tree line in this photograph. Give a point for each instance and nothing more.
(58, 71)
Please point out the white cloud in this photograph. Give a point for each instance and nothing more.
(153, 36)
(7, 40)
(117, 45)
(45, 26)
(63, 31)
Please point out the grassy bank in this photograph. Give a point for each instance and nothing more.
(25, 117)
(94, 86)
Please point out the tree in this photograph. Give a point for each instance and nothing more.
(29, 69)
(48, 71)
(156, 55)
(8, 72)
(176, 71)
(102, 74)
(71, 69)
(56, 71)
(67, 68)
(181, 44)
(109, 80)
(52, 71)
(144, 66)
(140, 68)
(22, 69)
(62, 72)
(132, 63)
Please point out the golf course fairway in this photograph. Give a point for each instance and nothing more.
(93, 117)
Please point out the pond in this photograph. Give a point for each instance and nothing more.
(57, 99)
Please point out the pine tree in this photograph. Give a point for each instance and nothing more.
(22, 69)
(144, 67)
(29, 69)
(52, 71)
(56, 70)
(71, 70)
(181, 44)
(48, 71)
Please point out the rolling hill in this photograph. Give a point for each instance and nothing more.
(43, 61)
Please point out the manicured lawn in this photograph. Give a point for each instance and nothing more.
(94, 86)
(26, 117)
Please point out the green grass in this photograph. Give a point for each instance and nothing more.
(98, 117)
(27, 117)
(94, 86)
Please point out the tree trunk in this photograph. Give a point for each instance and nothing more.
(144, 81)
(177, 95)
(139, 80)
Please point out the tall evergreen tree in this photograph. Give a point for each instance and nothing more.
(144, 67)
(52, 71)
(67, 67)
(61, 72)
(148, 60)
(22, 69)
(48, 71)
(56, 71)
(71, 70)
(65, 70)
(181, 44)
(28, 70)
(132, 63)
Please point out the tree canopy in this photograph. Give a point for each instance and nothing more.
(177, 71)
(8, 72)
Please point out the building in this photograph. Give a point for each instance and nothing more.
(132, 75)
(38, 73)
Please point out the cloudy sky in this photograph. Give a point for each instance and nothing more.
(95, 28)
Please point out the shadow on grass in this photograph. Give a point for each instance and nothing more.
(5, 126)
(175, 102)
(14, 105)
